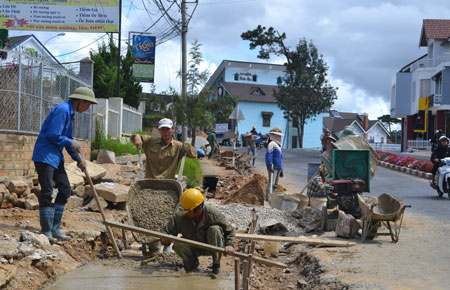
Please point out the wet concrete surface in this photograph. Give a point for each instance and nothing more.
(96, 276)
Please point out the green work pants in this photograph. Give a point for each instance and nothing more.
(189, 254)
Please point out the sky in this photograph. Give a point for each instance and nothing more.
(365, 42)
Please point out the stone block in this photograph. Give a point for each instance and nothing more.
(31, 202)
(95, 171)
(37, 240)
(9, 200)
(17, 186)
(112, 172)
(80, 191)
(8, 249)
(93, 204)
(113, 192)
(105, 156)
(74, 202)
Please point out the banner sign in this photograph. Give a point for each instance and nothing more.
(221, 128)
(60, 15)
(143, 49)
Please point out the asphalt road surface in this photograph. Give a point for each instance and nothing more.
(412, 190)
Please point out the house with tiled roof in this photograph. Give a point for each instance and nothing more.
(254, 84)
(372, 130)
(420, 93)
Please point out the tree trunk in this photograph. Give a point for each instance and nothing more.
(193, 134)
(301, 132)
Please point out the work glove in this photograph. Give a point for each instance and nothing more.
(81, 164)
(229, 250)
(281, 174)
(76, 146)
(136, 140)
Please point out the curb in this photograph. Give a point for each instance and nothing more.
(406, 170)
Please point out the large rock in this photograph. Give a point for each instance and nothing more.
(3, 192)
(9, 200)
(39, 241)
(128, 158)
(113, 192)
(105, 156)
(112, 173)
(17, 186)
(36, 190)
(7, 272)
(74, 202)
(94, 207)
(95, 171)
(74, 178)
(80, 191)
(31, 202)
(8, 249)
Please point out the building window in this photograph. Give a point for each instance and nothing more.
(257, 91)
(382, 139)
(266, 116)
(255, 78)
(236, 76)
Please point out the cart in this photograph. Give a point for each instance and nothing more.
(382, 210)
(149, 245)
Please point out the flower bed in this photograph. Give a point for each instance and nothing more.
(405, 161)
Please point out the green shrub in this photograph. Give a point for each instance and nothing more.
(193, 172)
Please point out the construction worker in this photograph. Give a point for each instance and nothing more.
(212, 140)
(199, 222)
(163, 153)
(273, 160)
(55, 135)
(251, 144)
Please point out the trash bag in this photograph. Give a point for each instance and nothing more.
(347, 226)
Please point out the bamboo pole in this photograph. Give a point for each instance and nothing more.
(297, 240)
(237, 273)
(245, 274)
(192, 243)
(108, 229)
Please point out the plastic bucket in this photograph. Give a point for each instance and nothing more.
(312, 169)
(318, 202)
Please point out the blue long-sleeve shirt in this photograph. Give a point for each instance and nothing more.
(56, 134)
(273, 156)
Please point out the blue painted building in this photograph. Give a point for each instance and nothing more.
(254, 84)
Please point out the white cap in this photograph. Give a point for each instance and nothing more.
(165, 123)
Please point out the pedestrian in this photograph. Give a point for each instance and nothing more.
(274, 160)
(212, 140)
(439, 153)
(202, 223)
(251, 144)
(55, 135)
(163, 153)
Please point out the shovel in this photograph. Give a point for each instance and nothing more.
(141, 165)
(108, 229)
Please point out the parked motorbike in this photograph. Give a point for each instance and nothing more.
(442, 178)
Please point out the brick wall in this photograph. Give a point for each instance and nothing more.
(16, 151)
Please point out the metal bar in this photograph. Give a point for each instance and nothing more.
(20, 91)
(192, 243)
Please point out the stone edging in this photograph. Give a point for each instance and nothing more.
(406, 170)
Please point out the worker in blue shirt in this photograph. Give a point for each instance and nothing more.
(55, 135)
(274, 160)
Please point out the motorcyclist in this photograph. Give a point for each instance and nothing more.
(439, 153)
(435, 140)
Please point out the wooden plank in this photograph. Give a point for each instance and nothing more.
(297, 240)
(237, 273)
(192, 243)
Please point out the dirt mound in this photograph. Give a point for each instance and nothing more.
(253, 192)
(228, 185)
(171, 259)
(151, 209)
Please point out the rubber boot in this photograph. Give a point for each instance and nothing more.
(56, 230)
(46, 216)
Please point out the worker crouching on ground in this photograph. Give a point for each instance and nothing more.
(163, 153)
(273, 160)
(55, 135)
(202, 223)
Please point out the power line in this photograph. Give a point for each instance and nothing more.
(83, 46)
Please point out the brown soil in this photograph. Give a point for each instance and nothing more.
(152, 209)
(253, 192)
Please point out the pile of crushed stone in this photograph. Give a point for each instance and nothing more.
(253, 192)
(152, 209)
(171, 259)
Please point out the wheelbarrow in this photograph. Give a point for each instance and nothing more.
(382, 210)
(151, 245)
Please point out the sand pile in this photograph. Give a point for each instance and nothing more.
(151, 209)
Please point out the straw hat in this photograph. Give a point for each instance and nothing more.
(84, 93)
(276, 131)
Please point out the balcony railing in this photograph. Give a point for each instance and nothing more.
(445, 57)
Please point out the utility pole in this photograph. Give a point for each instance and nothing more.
(184, 28)
(118, 47)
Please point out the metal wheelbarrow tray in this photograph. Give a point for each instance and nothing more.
(138, 189)
(381, 210)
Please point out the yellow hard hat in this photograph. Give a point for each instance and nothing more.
(190, 199)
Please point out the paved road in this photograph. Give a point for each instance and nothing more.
(412, 190)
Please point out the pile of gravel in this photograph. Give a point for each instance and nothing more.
(240, 216)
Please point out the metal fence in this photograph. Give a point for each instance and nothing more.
(386, 147)
(419, 144)
(30, 88)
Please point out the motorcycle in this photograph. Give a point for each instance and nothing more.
(442, 179)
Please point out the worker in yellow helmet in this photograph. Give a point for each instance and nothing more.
(199, 222)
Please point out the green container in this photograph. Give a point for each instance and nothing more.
(350, 164)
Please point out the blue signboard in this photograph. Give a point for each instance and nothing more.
(143, 50)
